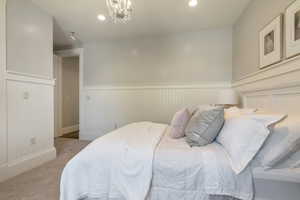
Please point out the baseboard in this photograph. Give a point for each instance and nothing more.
(69, 129)
(24, 164)
(87, 137)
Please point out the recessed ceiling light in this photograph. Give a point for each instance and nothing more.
(101, 17)
(193, 3)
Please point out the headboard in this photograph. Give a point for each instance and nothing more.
(275, 89)
(282, 101)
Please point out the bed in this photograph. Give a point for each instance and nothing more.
(140, 161)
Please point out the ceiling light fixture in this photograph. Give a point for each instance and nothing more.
(119, 10)
(72, 36)
(193, 3)
(101, 17)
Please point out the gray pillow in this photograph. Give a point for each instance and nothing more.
(204, 127)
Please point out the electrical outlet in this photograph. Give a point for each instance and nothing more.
(32, 141)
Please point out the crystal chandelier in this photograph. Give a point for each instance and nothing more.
(119, 10)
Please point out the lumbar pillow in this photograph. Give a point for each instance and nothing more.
(243, 137)
(204, 127)
(179, 123)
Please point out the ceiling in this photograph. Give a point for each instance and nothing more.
(150, 17)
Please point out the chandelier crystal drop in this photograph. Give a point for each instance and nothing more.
(119, 10)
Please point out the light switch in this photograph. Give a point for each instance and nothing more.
(26, 95)
(32, 141)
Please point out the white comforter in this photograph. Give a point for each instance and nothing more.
(199, 173)
(122, 166)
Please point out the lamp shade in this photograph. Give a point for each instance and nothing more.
(228, 97)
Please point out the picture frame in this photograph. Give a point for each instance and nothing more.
(270, 43)
(292, 26)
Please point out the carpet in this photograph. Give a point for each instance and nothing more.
(42, 183)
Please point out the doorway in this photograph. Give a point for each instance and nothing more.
(67, 67)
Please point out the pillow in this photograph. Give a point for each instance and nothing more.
(282, 143)
(204, 127)
(202, 107)
(179, 122)
(236, 112)
(296, 165)
(242, 137)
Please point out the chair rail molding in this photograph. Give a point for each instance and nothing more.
(213, 85)
(281, 75)
(27, 78)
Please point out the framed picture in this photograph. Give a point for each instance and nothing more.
(293, 29)
(271, 43)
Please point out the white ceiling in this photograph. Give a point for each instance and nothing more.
(150, 17)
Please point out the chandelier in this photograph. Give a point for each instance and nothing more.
(119, 10)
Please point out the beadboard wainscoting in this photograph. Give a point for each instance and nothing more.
(107, 108)
(30, 123)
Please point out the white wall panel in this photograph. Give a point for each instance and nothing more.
(29, 39)
(30, 118)
(105, 109)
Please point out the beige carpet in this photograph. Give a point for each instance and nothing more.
(42, 183)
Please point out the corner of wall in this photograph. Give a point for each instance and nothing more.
(37, 91)
(3, 130)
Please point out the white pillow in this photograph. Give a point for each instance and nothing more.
(282, 143)
(242, 137)
(296, 165)
(236, 112)
(179, 123)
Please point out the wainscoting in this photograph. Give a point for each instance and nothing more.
(30, 123)
(107, 108)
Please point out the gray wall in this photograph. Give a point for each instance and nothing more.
(186, 58)
(29, 39)
(246, 34)
(70, 91)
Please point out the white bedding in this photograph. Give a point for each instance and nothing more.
(182, 172)
(118, 166)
